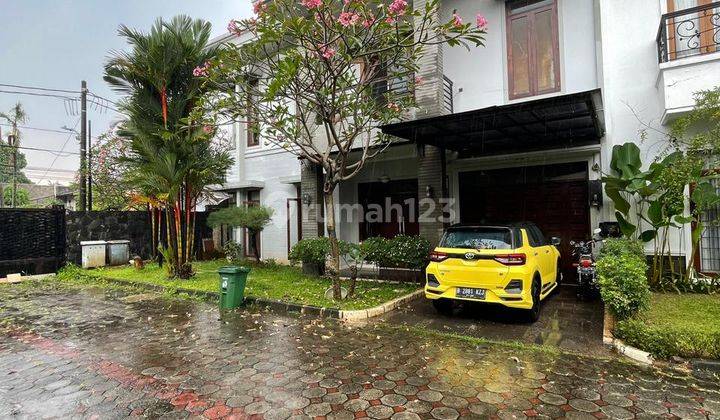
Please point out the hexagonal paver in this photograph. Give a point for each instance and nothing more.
(318, 409)
(429, 395)
(379, 412)
(444, 413)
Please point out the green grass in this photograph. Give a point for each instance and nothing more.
(276, 282)
(683, 325)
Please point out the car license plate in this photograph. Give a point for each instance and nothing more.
(470, 293)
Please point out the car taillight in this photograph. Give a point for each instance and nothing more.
(436, 256)
(586, 263)
(511, 259)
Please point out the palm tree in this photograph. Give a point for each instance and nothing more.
(171, 158)
(15, 117)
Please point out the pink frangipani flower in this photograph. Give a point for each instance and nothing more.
(259, 6)
(481, 21)
(327, 52)
(312, 4)
(233, 28)
(201, 71)
(456, 20)
(398, 7)
(348, 18)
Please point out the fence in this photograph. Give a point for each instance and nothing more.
(32, 241)
(36, 241)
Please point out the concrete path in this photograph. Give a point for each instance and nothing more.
(564, 322)
(67, 353)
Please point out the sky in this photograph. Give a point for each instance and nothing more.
(57, 43)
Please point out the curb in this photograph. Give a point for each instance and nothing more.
(19, 279)
(359, 315)
(630, 352)
(276, 305)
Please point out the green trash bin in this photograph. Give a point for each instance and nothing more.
(232, 286)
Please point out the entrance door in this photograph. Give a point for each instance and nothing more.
(554, 197)
(389, 208)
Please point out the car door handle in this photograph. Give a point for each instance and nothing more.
(536, 254)
(547, 251)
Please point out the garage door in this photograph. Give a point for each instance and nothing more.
(555, 197)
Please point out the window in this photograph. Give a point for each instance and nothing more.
(533, 51)
(694, 32)
(253, 128)
(535, 236)
(251, 242)
(709, 255)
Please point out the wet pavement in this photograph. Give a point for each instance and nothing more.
(67, 353)
(565, 322)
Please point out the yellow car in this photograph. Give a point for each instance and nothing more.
(511, 265)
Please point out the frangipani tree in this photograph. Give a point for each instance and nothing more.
(318, 77)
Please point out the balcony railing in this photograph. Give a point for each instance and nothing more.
(403, 86)
(689, 32)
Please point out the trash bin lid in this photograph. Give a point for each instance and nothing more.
(231, 269)
(120, 241)
(84, 243)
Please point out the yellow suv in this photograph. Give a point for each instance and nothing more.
(512, 265)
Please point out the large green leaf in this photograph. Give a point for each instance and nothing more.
(626, 160)
(613, 192)
(648, 235)
(627, 228)
(655, 213)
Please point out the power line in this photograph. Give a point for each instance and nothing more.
(40, 88)
(62, 148)
(48, 130)
(49, 95)
(39, 149)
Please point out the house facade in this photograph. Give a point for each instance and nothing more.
(521, 129)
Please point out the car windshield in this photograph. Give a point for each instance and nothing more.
(478, 238)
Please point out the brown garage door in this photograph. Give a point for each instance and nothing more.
(555, 197)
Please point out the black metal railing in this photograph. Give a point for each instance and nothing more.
(689, 32)
(403, 85)
(448, 95)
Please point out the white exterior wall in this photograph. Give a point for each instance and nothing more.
(480, 75)
(642, 95)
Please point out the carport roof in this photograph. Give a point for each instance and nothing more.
(550, 123)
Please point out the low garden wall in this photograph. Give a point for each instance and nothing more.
(134, 226)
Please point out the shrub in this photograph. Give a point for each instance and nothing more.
(409, 251)
(376, 250)
(233, 252)
(664, 342)
(623, 283)
(622, 246)
(402, 251)
(310, 251)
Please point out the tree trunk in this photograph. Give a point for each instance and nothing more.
(333, 266)
(353, 280)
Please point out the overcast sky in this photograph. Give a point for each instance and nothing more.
(57, 43)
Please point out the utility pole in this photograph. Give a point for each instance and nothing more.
(11, 141)
(89, 166)
(2, 191)
(82, 199)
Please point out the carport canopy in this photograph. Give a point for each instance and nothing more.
(550, 123)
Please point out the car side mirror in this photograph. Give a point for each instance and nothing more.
(555, 241)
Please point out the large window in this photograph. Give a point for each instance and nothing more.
(253, 128)
(710, 241)
(691, 28)
(533, 51)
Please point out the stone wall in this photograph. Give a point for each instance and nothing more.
(134, 226)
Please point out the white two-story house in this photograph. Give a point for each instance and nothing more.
(521, 129)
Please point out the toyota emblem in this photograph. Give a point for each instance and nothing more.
(469, 256)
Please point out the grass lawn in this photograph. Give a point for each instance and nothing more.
(273, 282)
(676, 325)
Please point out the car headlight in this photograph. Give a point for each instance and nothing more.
(432, 281)
(514, 287)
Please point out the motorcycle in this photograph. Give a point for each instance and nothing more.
(584, 252)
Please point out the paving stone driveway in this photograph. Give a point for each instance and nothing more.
(80, 353)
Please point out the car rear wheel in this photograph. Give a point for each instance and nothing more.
(443, 306)
(533, 314)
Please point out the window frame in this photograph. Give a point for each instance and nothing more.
(697, 258)
(250, 202)
(533, 89)
(253, 138)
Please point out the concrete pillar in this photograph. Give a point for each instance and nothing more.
(429, 98)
